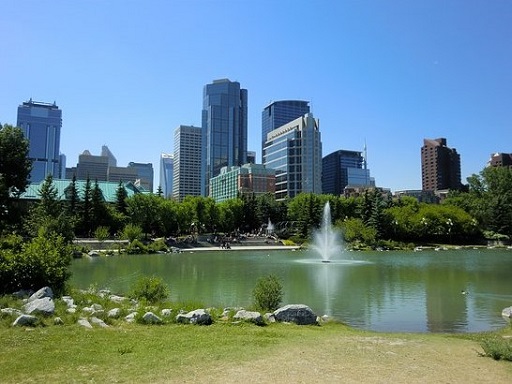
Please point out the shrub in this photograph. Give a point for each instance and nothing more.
(152, 289)
(132, 232)
(136, 247)
(44, 261)
(268, 293)
(497, 347)
(101, 233)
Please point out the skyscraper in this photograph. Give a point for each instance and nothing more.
(144, 174)
(344, 168)
(279, 113)
(294, 151)
(41, 124)
(187, 176)
(224, 124)
(166, 173)
(440, 166)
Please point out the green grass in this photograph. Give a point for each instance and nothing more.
(133, 352)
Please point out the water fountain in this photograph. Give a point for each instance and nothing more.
(326, 241)
(270, 228)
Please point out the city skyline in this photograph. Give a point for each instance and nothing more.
(388, 74)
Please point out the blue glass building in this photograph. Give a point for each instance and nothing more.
(294, 151)
(344, 168)
(41, 124)
(279, 113)
(224, 128)
(166, 173)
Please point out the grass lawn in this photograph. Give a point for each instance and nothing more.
(224, 352)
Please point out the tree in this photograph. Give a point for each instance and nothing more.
(86, 209)
(15, 167)
(268, 293)
(121, 196)
(72, 197)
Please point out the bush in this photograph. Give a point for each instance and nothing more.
(497, 347)
(268, 293)
(151, 289)
(136, 247)
(132, 232)
(44, 261)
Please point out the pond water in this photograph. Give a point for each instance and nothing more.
(429, 291)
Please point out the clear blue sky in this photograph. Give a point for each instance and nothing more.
(391, 73)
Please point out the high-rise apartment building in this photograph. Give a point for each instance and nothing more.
(41, 124)
(294, 151)
(500, 160)
(440, 166)
(279, 113)
(187, 176)
(145, 174)
(224, 128)
(344, 168)
(166, 173)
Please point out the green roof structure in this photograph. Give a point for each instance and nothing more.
(108, 189)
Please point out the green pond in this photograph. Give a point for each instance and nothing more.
(429, 291)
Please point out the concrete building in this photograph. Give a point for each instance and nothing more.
(440, 166)
(294, 151)
(105, 151)
(166, 173)
(187, 176)
(247, 180)
(224, 128)
(41, 124)
(124, 174)
(92, 167)
(344, 168)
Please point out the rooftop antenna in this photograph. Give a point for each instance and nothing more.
(365, 156)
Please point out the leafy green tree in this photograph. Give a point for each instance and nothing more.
(44, 261)
(132, 232)
(230, 214)
(251, 221)
(268, 293)
(169, 216)
(143, 210)
(15, 168)
(306, 208)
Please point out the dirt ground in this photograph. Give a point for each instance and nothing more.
(368, 359)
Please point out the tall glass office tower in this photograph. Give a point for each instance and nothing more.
(166, 173)
(41, 124)
(279, 113)
(224, 128)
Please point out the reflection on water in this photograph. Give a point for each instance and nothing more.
(384, 291)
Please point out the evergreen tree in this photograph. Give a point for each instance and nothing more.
(86, 211)
(98, 208)
(72, 197)
(121, 196)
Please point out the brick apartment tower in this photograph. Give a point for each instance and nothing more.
(440, 166)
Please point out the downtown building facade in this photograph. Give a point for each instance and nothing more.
(224, 129)
(41, 124)
(294, 151)
(166, 173)
(249, 180)
(342, 169)
(440, 166)
(187, 168)
(278, 113)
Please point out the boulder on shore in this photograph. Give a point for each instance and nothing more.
(199, 316)
(296, 313)
(45, 306)
(507, 313)
(251, 316)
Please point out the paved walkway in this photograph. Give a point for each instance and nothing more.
(243, 248)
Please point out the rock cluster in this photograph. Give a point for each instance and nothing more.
(42, 303)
